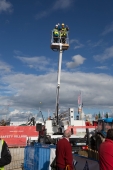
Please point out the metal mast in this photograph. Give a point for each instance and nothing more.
(58, 81)
(59, 46)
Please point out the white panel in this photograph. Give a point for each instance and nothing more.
(71, 111)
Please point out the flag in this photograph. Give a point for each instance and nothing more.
(80, 104)
(79, 99)
(79, 108)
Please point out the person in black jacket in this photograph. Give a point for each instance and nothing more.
(5, 155)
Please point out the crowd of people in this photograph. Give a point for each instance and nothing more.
(64, 156)
(60, 33)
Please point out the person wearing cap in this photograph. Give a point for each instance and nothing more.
(64, 157)
(63, 33)
(56, 33)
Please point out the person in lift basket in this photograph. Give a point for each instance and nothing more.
(5, 155)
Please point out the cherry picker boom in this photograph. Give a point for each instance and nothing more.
(59, 46)
(55, 126)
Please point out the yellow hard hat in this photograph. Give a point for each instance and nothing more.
(62, 23)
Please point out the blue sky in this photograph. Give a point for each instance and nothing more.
(28, 67)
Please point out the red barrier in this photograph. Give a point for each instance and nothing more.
(17, 135)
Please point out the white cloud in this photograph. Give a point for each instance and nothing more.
(61, 4)
(102, 67)
(5, 6)
(73, 40)
(78, 44)
(92, 44)
(99, 43)
(108, 29)
(58, 5)
(42, 14)
(3, 111)
(35, 62)
(4, 67)
(22, 115)
(77, 60)
(18, 53)
(107, 54)
(30, 90)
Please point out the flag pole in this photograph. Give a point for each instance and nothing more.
(80, 106)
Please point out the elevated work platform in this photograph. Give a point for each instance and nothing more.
(57, 41)
(57, 46)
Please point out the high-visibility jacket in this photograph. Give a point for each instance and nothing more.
(5, 155)
(56, 32)
(1, 144)
(63, 32)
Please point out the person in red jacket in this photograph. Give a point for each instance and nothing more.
(106, 152)
(64, 152)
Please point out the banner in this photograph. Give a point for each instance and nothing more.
(18, 135)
